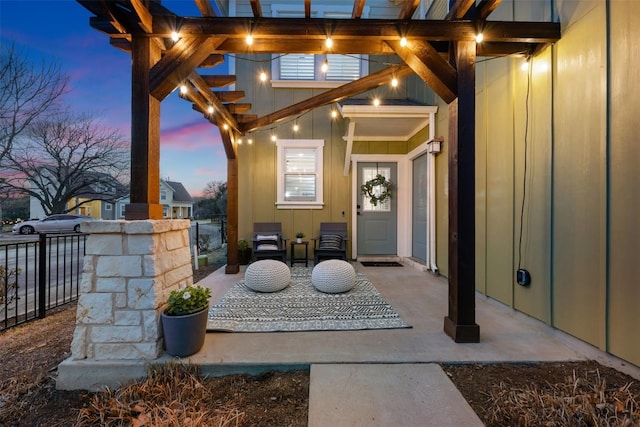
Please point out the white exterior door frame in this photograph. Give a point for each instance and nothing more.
(402, 191)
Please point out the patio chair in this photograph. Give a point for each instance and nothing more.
(268, 242)
(331, 243)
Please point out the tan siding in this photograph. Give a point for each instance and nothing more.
(500, 181)
(624, 202)
(579, 178)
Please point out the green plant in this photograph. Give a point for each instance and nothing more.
(187, 300)
(243, 245)
(299, 234)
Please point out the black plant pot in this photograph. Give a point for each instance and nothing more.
(184, 335)
(244, 256)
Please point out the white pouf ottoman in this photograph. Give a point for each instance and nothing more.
(267, 275)
(333, 276)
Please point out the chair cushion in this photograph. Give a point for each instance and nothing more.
(267, 247)
(330, 241)
(273, 237)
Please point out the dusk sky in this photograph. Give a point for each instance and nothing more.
(58, 30)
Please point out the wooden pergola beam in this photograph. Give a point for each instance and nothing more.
(358, 7)
(427, 63)
(256, 8)
(214, 101)
(179, 62)
(334, 95)
(409, 9)
(485, 7)
(218, 80)
(205, 7)
(460, 9)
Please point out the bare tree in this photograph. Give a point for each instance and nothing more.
(66, 161)
(26, 92)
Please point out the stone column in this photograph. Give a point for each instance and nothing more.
(129, 270)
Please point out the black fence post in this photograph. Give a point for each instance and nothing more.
(42, 277)
(223, 237)
(198, 236)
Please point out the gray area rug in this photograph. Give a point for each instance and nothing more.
(300, 307)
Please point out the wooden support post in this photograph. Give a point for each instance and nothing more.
(145, 134)
(460, 323)
(232, 217)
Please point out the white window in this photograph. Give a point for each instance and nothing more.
(107, 206)
(300, 165)
(300, 70)
(163, 194)
(369, 174)
(122, 206)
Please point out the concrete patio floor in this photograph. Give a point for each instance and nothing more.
(421, 300)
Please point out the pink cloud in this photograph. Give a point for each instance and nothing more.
(190, 136)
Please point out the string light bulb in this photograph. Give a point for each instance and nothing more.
(376, 102)
(225, 126)
(296, 127)
(210, 109)
(334, 114)
(175, 36)
(325, 66)
(273, 137)
(479, 37)
(263, 76)
(328, 43)
(249, 39)
(183, 89)
(250, 141)
(525, 65)
(403, 41)
(394, 82)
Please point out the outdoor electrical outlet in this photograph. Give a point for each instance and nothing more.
(523, 277)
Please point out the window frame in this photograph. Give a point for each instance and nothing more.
(281, 146)
(318, 11)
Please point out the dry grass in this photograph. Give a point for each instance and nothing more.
(579, 401)
(172, 395)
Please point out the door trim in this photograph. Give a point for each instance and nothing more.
(403, 194)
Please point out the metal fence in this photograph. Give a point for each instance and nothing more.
(208, 235)
(37, 276)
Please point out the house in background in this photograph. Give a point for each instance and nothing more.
(96, 198)
(176, 201)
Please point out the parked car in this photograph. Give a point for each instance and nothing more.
(59, 223)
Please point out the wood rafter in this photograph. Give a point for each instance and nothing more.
(334, 95)
(179, 62)
(460, 9)
(205, 7)
(256, 8)
(358, 7)
(409, 9)
(485, 7)
(427, 63)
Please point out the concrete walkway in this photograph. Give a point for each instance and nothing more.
(391, 377)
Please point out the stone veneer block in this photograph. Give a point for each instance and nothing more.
(110, 284)
(95, 309)
(116, 334)
(102, 227)
(127, 351)
(99, 244)
(142, 244)
(119, 266)
(140, 294)
(79, 343)
(127, 318)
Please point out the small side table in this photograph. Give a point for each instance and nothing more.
(294, 259)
